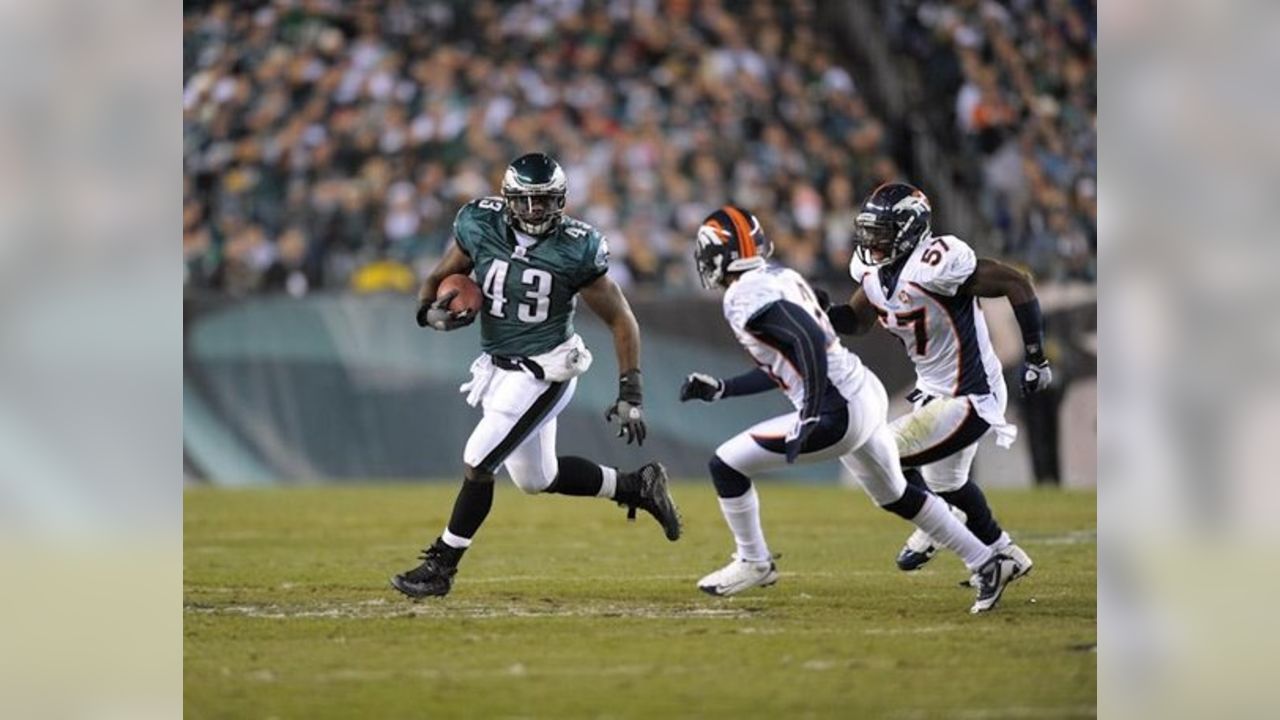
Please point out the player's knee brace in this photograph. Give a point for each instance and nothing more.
(729, 482)
(909, 505)
(473, 474)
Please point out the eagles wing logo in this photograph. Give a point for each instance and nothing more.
(602, 253)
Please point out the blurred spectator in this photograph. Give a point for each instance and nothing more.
(383, 275)
(361, 127)
(1012, 89)
(354, 131)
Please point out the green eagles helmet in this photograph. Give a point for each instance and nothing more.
(534, 188)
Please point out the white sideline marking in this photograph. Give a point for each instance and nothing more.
(504, 579)
(1075, 537)
(515, 670)
(381, 608)
(1024, 711)
(921, 630)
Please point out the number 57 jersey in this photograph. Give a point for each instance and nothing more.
(942, 328)
(530, 284)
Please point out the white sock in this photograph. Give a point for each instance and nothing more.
(609, 486)
(742, 513)
(454, 541)
(936, 519)
(1002, 542)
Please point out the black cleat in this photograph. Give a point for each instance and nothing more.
(434, 577)
(651, 495)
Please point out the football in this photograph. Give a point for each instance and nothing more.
(469, 295)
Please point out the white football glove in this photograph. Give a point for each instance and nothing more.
(1036, 377)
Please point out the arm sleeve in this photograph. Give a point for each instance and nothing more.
(748, 383)
(790, 330)
(1031, 322)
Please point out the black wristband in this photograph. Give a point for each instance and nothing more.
(629, 388)
(1031, 322)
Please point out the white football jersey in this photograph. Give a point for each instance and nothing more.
(944, 331)
(756, 290)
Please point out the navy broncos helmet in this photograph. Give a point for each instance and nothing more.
(534, 188)
(893, 220)
(730, 240)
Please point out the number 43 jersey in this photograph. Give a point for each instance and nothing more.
(943, 329)
(530, 284)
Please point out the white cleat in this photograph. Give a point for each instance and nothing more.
(1018, 555)
(1022, 558)
(739, 575)
(920, 548)
(991, 580)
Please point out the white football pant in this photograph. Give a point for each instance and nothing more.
(864, 444)
(940, 437)
(518, 429)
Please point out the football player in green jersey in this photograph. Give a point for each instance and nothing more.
(532, 262)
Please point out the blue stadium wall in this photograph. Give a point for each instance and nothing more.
(346, 388)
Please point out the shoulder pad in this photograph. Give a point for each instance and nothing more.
(577, 229)
(478, 209)
(944, 264)
(750, 294)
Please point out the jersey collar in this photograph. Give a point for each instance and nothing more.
(888, 274)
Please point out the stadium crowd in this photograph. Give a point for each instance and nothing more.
(1011, 87)
(329, 144)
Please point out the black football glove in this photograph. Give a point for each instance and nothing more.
(1036, 375)
(798, 435)
(626, 409)
(823, 298)
(700, 386)
(436, 315)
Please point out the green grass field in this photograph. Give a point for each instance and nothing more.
(563, 609)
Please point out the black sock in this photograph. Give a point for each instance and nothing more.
(472, 507)
(908, 506)
(577, 476)
(980, 521)
(915, 479)
(729, 482)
